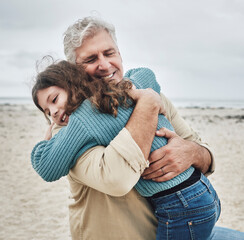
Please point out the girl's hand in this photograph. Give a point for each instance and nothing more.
(48, 134)
(149, 96)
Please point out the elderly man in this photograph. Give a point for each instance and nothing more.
(105, 204)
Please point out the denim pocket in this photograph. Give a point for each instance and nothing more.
(186, 224)
(201, 229)
(188, 214)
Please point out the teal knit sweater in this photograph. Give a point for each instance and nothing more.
(87, 127)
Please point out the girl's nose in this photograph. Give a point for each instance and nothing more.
(54, 112)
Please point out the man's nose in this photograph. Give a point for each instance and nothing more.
(103, 63)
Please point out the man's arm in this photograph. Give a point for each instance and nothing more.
(184, 148)
(143, 121)
(115, 169)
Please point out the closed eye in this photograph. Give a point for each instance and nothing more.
(110, 54)
(92, 60)
(54, 100)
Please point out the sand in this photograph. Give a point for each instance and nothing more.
(34, 209)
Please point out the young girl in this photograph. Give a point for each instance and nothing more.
(95, 111)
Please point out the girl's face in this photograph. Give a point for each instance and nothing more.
(53, 101)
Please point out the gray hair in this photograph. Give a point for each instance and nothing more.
(82, 29)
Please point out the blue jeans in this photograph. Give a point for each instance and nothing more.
(221, 233)
(190, 213)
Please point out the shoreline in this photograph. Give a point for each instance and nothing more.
(178, 102)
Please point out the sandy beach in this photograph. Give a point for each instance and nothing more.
(34, 209)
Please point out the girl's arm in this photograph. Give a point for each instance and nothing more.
(53, 159)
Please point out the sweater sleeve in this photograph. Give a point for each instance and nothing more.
(54, 158)
(143, 78)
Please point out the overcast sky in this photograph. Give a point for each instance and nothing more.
(195, 47)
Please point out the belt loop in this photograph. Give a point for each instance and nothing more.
(182, 199)
(207, 186)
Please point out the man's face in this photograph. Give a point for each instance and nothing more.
(100, 57)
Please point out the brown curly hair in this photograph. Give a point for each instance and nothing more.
(105, 96)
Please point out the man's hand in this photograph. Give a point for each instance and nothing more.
(173, 158)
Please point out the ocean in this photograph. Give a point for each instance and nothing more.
(208, 103)
(178, 102)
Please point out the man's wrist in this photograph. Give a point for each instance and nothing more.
(146, 106)
(142, 125)
(202, 158)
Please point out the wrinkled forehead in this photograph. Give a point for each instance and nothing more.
(94, 44)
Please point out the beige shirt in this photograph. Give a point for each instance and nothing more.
(105, 204)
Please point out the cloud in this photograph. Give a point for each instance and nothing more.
(188, 43)
(21, 59)
(28, 14)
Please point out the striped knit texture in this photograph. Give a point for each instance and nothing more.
(88, 127)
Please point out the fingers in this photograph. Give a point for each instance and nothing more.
(154, 166)
(161, 152)
(169, 161)
(162, 174)
(157, 155)
(51, 126)
(159, 172)
(134, 94)
(155, 170)
(48, 134)
(165, 177)
(164, 132)
(148, 95)
(162, 110)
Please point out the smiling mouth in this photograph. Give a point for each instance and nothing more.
(109, 76)
(63, 117)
